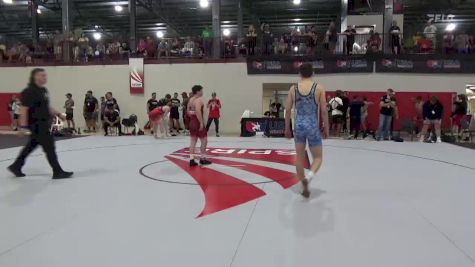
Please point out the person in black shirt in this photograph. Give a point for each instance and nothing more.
(433, 112)
(346, 105)
(111, 100)
(111, 119)
(175, 114)
(11, 111)
(91, 107)
(152, 103)
(36, 116)
(275, 106)
(354, 111)
(350, 39)
(387, 110)
(395, 32)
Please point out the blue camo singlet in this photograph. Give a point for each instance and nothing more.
(307, 127)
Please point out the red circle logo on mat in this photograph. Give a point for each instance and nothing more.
(222, 190)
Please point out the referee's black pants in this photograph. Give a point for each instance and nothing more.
(40, 135)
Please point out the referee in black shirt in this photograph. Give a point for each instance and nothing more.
(36, 116)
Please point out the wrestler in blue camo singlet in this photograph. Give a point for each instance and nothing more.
(307, 127)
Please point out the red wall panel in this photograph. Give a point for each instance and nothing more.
(5, 118)
(405, 101)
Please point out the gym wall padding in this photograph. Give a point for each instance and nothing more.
(406, 105)
(5, 118)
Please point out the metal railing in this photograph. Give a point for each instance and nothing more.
(69, 52)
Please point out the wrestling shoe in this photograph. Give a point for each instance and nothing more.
(205, 162)
(193, 163)
(17, 172)
(305, 192)
(63, 175)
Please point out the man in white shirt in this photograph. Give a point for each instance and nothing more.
(336, 106)
(430, 32)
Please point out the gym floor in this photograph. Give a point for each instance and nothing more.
(135, 202)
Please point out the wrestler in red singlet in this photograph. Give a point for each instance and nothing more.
(197, 127)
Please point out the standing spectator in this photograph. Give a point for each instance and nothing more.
(395, 32)
(459, 113)
(151, 47)
(364, 116)
(69, 107)
(419, 118)
(311, 41)
(103, 107)
(433, 111)
(430, 32)
(374, 42)
(91, 107)
(184, 105)
(449, 42)
(387, 107)
(251, 40)
(350, 33)
(175, 115)
(58, 45)
(163, 48)
(354, 112)
(276, 106)
(142, 48)
(214, 106)
(83, 43)
(152, 104)
(111, 119)
(332, 37)
(336, 107)
(461, 43)
(189, 47)
(346, 105)
(11, 111)
(16, 107)
(266, 39)
(207, 36)
(100, 50)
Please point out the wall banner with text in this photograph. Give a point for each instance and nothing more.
(136, 76)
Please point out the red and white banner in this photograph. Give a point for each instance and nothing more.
(136, 76)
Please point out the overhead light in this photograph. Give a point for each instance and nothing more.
(296, 2)
(8, 2)
(38, 11)
(160, 34)
(226, 32)
(96, 26)
(204, 3)
(451, 27)
(297, 19)
(97, 36)
(118, 8)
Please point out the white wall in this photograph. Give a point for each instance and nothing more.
(237, 90)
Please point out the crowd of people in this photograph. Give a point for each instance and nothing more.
(349, 117)
(257, 41)
(167, 116)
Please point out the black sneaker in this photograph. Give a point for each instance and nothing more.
(63, 175)
(205, 162)
(193, 163)
(17, 172)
